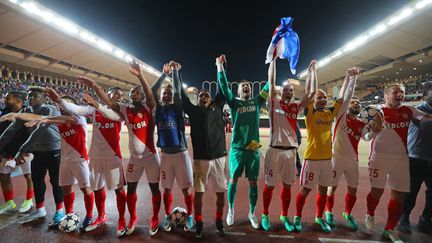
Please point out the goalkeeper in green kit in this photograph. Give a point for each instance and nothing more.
(244, 153)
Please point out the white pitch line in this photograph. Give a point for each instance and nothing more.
(282, 236)
(235, 233)
(335, 240)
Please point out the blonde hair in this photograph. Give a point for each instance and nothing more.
(392, 86)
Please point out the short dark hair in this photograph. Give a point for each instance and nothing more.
(18, 95)
(68, 97)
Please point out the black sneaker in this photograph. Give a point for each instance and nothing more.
(404, 225)
(199, 229)
(220, 228)
(425, 226)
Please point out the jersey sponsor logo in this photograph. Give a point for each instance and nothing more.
(324, 123)
(289, 115)
(106, 125)
(68, 133)
(167, 124)
(351, 132)
(393, 125)
(244, 109)
(139, 125)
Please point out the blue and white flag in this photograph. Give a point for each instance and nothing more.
(285, 44)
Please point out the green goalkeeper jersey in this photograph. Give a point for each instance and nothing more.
(245, 114)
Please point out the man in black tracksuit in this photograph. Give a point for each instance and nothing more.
(209, 152)
(44, 143)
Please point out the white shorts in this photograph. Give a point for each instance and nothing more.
(107, 172)
(280, 165)
(71, 172)
(316, 172)
(8, 166)
(349, 168)
(397, 170)
(149, 162)
(176, 166)
(214, 170)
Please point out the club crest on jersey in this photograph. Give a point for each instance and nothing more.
(294, 109)
(140, 115)
(405, 116)
(68, 133)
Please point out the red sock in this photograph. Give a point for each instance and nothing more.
(131, 204)
(29, 193)
(300, 202)
(69, 202)
(198, 217)
(372, 203)
(267, 196)
(167, 199)
(286, 199)
(394, 210)
(156, 202)
(320, 204)
(349, 202)
(100, 197)
(218, 215)
(189, 203)
(40, 204)
(89, 201)
(330, 203)
(121, 203)
(8, 195)
(58, 206)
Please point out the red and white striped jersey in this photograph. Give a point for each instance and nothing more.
(283, 122)
(391, 142)
(140, 126)
(105, 143)
(74, 141)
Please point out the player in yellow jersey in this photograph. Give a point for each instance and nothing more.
(317, 167)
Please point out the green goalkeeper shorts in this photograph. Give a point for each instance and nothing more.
(244, 160)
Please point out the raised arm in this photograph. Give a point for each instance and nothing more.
(166, 71)
(177, 86)
(99, 91)
(106, 112)
(347, 91)
(67, 106)
(57, 120)
(272, 79)
(222, 79)
(135, 69)
(311, 82)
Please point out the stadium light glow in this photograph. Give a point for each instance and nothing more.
(40, 12)
(377, 30)
(422, 4)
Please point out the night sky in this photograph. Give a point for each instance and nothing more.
(194, 33)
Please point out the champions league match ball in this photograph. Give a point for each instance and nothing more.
(70, 222)
(178, 216)
(369, 112)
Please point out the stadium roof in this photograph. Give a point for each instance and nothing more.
(34, 36)
(395, 48)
